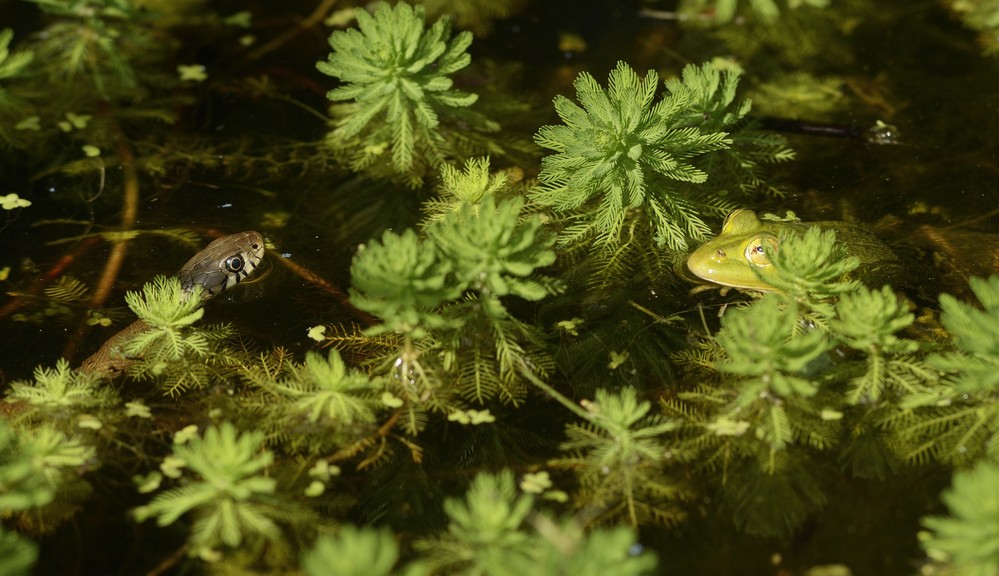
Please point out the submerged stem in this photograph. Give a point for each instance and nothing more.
(112, 268)
(554, 394)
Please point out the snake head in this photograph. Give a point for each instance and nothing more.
(222, 264)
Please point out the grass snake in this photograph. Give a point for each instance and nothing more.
(221, 265)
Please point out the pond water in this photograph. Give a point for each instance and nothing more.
(243, 149)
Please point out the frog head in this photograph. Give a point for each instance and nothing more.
(737, 257)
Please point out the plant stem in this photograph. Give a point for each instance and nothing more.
(311, 20)
(575, 409)
(112, 268)
(57, 270)
(339, 295)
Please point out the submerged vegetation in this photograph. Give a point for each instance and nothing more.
(515, 376)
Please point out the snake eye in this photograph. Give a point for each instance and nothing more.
(234, 263)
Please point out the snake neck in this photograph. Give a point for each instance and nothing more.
(222, 264)
(111, 359)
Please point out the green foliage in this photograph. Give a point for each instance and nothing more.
(164, 304)
(171, 348)
(810, 96)
(600, 551)
(57, 458)
(87, 42)
(396, 75)
(771, 501)
(771, 399)
(42, 477)
(712, 91)
(736, 171)
(485, 529)
(799, 33)
(976, 335)
(632, 171)
(228, 491)
(17, 554)
(67, 289)
(488, 251)
(493, 252)
(957, 419)
(56, 427)
(316, 402)
(489, 534)
(22, 487)
(812, 268)
(402, 279)
(966, 542)
(981, 16)
(869, 321)
(474, 15)
(621, 459)
(441, 363)
(763, 351)
(724, 11)
(323, 389)
(12, 65)
(465, 186)
(59, 396)
(778, 380)
(621, 150)
(356, 552)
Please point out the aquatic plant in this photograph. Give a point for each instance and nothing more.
(43, 476)
(518, 381)
(483, 248)
(797, 32)
(60, 395)
(23, 489)
(485, 527)
(814, 270)
(491, 531)
(957, 419)
(170, 351)
(621, 149)
(632, 171)
(357, 551)
(401, 280)
(476, 16)
(12, 64)
(966, 541)
(312, 405)
(768, 387)
(620, 460)
(975, 363)
(229, 493)
(981, 16)
(870, 321)
(494, 252)
(466, 186)
(724, 11)
(396, 79)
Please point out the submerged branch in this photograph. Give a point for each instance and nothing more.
(311, 20)
(112, 268)
(57, 270)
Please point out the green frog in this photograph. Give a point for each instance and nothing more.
(738, 258)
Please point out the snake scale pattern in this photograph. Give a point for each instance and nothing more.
(221, 265)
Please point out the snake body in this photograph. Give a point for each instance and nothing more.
(221, 265)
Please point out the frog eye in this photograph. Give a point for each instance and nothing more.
(756, 250)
